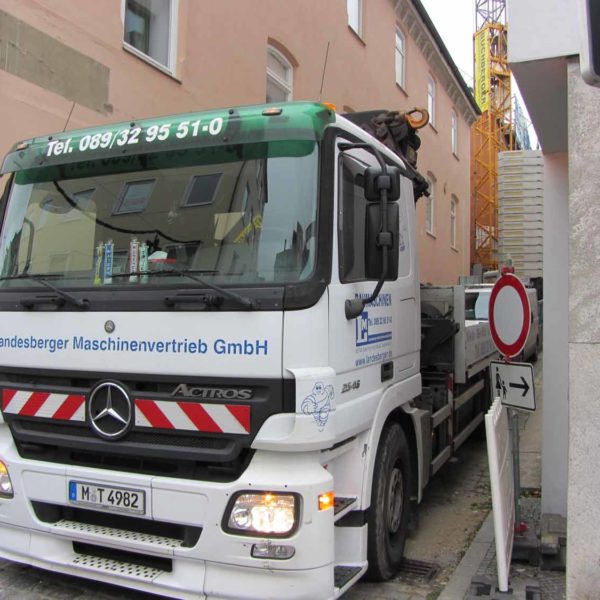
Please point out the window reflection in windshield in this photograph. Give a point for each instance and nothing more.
(243, 222)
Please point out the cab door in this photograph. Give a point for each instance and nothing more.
(381, 346)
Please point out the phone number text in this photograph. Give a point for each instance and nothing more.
(134, 135)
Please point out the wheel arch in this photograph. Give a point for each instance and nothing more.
(397, 406)
(406, 421)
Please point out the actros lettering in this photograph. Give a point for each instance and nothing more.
(212, 393)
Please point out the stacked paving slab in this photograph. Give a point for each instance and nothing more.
(521, 211)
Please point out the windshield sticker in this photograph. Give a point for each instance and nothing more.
(154, 134)
(374, 331)
(198, 346)
(318, 403)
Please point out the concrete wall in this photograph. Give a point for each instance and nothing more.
(531, 24)
(583, 550)
(572, 415)
(556, 367)
(541, 73)
(63, 63)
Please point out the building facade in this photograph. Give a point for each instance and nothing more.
(65, 65)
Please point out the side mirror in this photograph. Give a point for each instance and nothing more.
(373, 241)
(375, 181)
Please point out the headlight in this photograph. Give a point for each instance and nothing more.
(265, 514)
(6, 488)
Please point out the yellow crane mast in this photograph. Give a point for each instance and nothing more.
(493, 131)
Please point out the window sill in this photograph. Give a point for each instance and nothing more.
(150, 61)
(431, 234)
(401, 88)
(357, 35)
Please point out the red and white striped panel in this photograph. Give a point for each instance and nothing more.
(192, 416)
(25, 403)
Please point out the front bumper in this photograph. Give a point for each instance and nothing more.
(215, 565)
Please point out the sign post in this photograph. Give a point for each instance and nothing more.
(513, 383)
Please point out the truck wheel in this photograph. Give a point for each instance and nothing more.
(390, 505)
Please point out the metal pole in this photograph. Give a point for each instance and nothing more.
(514, 418)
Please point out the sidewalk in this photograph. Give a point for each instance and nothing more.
(476, 575)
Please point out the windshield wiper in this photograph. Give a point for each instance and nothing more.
(248, 303)
(66, 297)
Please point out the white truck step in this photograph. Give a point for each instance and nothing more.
(99, 533)
(117, 567)
(345, 575)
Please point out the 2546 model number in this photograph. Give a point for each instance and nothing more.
(133, 135)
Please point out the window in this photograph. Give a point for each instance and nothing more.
(453, 206)
(279, 76)
(355, 9)
(150, 27)
(454, 133)
(431, 99)
(477, 304)
(351, 221)
(400, 57)
(134, 197)
(201, 189)
(430, 206)
(353, 234)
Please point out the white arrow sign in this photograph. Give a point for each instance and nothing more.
(513, 384)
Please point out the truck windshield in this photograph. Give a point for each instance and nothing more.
(246, 221)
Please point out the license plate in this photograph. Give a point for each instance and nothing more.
(107, 497)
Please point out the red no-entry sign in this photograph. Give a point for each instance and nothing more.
(509, 315)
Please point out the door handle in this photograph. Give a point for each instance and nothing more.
(387, 370)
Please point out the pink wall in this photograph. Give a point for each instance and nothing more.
(221, 60)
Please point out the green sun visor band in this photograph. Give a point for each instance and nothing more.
(263, 130)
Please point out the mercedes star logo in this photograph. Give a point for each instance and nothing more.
(110, 410)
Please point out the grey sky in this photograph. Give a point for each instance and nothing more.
(455, 22)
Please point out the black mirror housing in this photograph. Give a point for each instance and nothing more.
(376, 240)
(375, 181)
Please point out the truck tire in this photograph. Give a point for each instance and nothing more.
(390, 505)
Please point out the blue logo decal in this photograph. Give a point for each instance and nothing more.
(364, 337)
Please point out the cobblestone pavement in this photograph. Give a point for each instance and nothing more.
(552, 584)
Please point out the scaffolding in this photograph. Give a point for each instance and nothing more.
(493, 131)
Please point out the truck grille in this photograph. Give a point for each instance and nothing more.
(177, 449)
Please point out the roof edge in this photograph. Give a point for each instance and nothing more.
(424, 15)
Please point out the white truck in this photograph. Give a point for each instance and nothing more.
(219, 376)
